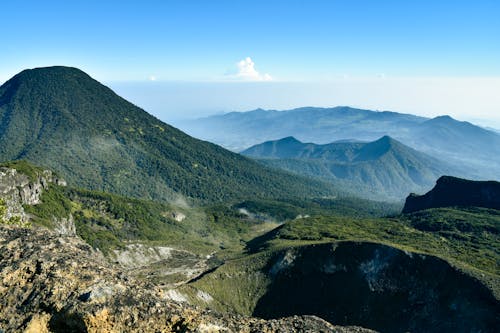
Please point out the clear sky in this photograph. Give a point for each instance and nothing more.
(386, 46)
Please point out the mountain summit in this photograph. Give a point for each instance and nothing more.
(382, 169)
(61, 118)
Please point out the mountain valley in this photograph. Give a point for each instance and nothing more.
(111, 220)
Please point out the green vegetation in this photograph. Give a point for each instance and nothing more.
(62, 119)
(384, 169)
(268, 249)
(469, 239)
(13, 220)
(471, 235)
(55, 205)
(236, 286)
(24, 167)
(196, 196)
(248, 235)
(107, 221)
(3, 209)
(283, 210)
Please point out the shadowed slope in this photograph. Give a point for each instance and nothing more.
(452, 191)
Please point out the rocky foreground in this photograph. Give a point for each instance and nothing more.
(54, 283)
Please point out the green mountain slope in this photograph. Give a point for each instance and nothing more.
(383, 169)
(61, 118)
(415, 272)
(408, 271)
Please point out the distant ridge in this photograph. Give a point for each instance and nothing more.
(451, 191)
(60, 118)
(475, 150)
(382, 169)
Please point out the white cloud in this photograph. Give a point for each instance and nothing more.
(246, 72)
(152, 78)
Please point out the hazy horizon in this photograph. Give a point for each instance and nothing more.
(174, 102)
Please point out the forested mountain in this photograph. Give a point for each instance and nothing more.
(383, 169)
(61, 118)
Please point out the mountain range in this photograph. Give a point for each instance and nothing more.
(464, 144)
(62, 119)
(382, 169)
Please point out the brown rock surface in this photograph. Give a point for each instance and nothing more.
(54, 283)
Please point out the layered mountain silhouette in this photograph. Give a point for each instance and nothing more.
(472, 148)
(381, 169)
(451, 191)
(61, 118)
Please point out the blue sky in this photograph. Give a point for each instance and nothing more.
(286, 41)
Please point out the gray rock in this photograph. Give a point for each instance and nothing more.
(16, 189)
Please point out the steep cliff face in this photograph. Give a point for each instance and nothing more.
(376, 286)
(452, 191)
(18, 189)
(54, 283)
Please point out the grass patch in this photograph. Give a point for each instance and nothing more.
(466, 238)
(24, 167)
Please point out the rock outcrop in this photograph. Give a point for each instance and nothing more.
(166, 266)
(17, 189)
(452, 191)
(54, 283)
